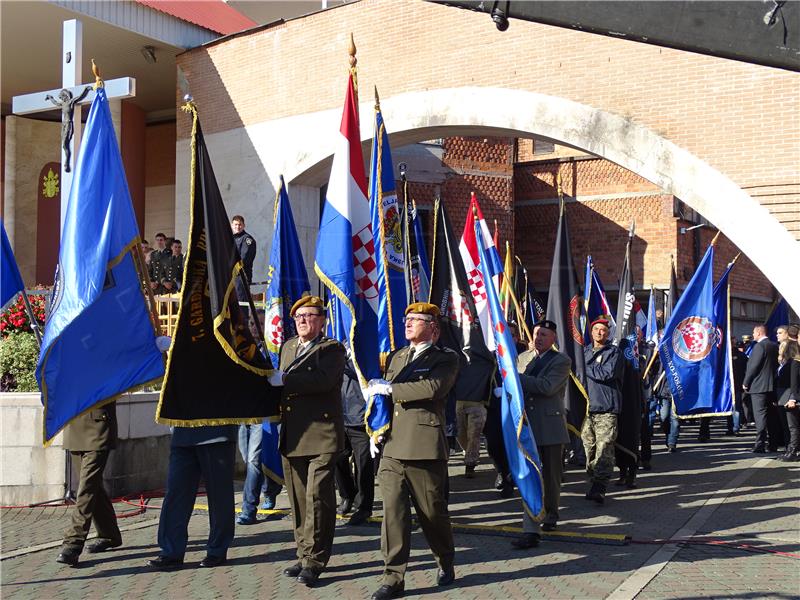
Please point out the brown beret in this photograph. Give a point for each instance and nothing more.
(312, 301)
(423, 308)
(601, 321)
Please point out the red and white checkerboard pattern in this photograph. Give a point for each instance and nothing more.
(476, 286)
(695, 337)
(365, 269)
(457, 309)
(276, 330)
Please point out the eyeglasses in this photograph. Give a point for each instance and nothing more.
(305, 316)
(412, 319)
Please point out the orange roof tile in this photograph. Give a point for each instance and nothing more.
(214, 15)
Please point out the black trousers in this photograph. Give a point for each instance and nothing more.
(646, 434)
(765, 412)
(493, 431)
(793, 419)
(358, 486)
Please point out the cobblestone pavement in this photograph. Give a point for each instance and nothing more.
(745, 508)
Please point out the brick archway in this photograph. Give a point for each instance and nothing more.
(417, 116)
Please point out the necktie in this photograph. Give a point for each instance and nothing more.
(410, 356)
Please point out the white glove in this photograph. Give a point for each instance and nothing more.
(374, 450)
(276, 379)
(384, 389)
(163, 343)
(498, 392)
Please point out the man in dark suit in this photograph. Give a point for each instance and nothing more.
(414, 464)
(759, 382)
(312, 434)
(208, 452)
(89, 439)
(544, 373)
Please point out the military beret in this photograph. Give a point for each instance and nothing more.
(423, 308)
(311, 301)
(601, 321)
(547, 324)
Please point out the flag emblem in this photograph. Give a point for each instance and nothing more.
(392, 235)
(693, 338)
(274, 325)
(574, 318)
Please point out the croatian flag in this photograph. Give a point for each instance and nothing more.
(472, 265)
(521, 450)
(345, 260)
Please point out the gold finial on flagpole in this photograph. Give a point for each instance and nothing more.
(377, 99)
(351, 50)
(98, 81)
(714, 241)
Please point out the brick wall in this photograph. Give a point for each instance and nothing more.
(712, 107)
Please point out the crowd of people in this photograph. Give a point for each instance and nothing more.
(325, 447)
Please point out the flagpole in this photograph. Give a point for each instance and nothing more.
(34, 323)
(138, 263)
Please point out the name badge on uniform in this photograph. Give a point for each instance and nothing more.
(421, 370)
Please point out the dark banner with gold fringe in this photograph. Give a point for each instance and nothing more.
(216, 373)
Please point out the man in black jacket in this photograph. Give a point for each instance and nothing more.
(246, 245)
(357, 492)
(759, 382)
(604, 370)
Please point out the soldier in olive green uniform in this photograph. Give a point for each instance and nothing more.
(90, 438)
(312, 434)
(418, 379)
(172, 269)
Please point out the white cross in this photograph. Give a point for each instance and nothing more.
(71, 61)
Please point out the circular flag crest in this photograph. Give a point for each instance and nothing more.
(693, 338)
(274, 326)
(574, 318)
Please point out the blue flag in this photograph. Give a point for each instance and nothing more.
(287, 279)
(345, 258)
(10, 279)
(722, 392)
(779, 316)
(99, 340)
(420, 267)
(691, 344)
(287, 282)
(390, 259)
(651, 334)
(523, 457)
(597, 305)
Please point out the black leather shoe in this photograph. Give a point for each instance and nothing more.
(358, 518)
(293, 571)
(385, 592)
(446, 577)
(165, 563)
(630, 480)
(469, 472)
(212, 561)
(507, 491)
(101, 546)
(69, 556)
(308, 576)
(759, 450)
(549, 526)
(597, 493)
(345, 506)
(525, 541)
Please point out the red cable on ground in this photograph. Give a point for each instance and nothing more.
(732, 545)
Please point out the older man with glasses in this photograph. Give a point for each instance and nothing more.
(414, 463)
(312, 434)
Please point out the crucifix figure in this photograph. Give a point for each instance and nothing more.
(69, 99)
(66, 102)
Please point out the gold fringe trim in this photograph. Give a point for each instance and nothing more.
(209, 422)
